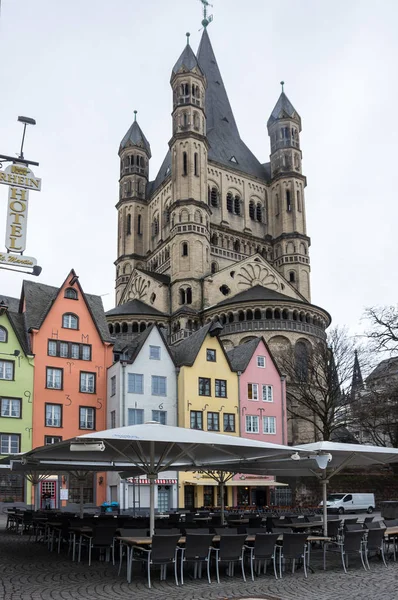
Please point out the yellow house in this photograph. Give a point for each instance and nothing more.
(208, 400)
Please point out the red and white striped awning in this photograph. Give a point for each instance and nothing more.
(147, 482)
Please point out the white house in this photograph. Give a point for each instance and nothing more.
(142, 386)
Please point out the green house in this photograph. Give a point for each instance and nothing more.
(16, 397)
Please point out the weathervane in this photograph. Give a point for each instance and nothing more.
(206, 19)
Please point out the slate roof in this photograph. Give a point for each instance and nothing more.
(222, 131)
(385, 368)
(12, 303)
(281, 108)
(241, 355)
(39, 298)
(186, 351)
(133, 348)
(135, 137)
(159, 276)
(134, 307)
(187, 60)
(258, 293)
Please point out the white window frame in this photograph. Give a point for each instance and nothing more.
(11, 402)
(7, 370)
(53, 379)
(85, 385)
(154, 352)
(132, 379)
(86, 348)
(254, 392)
(54, 408)
(267, 392)
(52, 344)
(3, 334)
(252, 420)
(113, 419)
(136, 412)
(266, 425)
(160, 416)
(159, 379)
(261, 359)
(48, 437)
(113, 385)
(8, 438)
(84, 417)
(73, 351)
(67, 321)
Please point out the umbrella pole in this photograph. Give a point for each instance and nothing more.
(81, 488)
(222, 501)
(152, 479)
(325, 482)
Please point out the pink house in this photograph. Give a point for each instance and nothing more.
(262, 410)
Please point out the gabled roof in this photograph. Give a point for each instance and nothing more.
(39, 298)
(12, 303)
(282, 109)
(241, 355)
(187, 61)
(186, 351)
(134, 307)
(135, 137)
(134, 347)
(258, 293)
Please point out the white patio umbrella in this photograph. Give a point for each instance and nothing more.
(150, 448)
(322, 460)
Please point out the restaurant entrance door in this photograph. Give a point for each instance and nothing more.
(189, 496)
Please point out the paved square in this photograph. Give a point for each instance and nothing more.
(29, 571)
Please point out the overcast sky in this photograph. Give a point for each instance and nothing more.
(80, 68)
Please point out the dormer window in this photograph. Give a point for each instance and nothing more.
(70, 293)
(233, 160)
(70, 321)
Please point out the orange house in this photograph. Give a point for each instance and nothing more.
(72, 347)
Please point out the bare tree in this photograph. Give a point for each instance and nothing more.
(383, 328)
(319, 380)
(375, 412)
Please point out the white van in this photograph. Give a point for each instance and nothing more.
(343, 503)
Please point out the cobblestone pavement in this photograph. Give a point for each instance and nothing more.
(29, 571)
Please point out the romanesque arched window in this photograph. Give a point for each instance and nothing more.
(189, 295)
(184, 163)
(196, 164)
(128, 224)
(184, 249)
(237, 205)
(252, 210)
(259, 212)
(230, 202)
(214, 197)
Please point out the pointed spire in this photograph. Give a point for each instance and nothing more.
(135, 137)
(284, 109)
(218, 108)
(357, 379)
(187, 60)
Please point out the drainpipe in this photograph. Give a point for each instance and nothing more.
(283, 387)
(240, 423)
(123, 422)
(178, 425)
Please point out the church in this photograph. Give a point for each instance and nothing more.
(218, 235)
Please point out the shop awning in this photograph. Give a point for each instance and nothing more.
(255, 483)
(147, 482)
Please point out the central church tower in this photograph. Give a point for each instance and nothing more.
(190, 244)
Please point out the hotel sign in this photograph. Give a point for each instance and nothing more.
(17, 260)
(20, 180)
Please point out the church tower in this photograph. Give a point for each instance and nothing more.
(290, 240)
(134, 153)
(190, 247)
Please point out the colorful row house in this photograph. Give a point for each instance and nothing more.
(67, 334)
(16, 397)
(142, 387)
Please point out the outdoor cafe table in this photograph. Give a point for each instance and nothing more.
(129, 542)
(311, 524)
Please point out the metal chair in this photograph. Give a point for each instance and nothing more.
(375, 541)
(102, 538)
(229, 531)
(231, 550)
(201, 531)
(264, 549)
(353, 543)
(172, 531)
(124, 532)
(368, 520)
(350, 521)
(353, 527)
(197, 550)
(294, 547)
(163, 552)
(373, 525)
